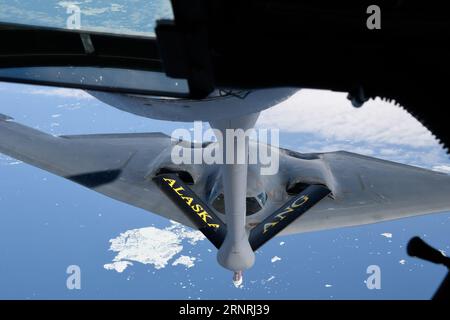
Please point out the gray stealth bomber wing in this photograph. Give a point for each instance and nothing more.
(368, 190)
(115, 165)
(123, 166)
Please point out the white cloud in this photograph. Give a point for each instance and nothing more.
(152, 246)
(402, 262)
(16, 14)
(113, 23)
(185, 261)
(61, 92)
(91, 11)
(387, 235)
(331, 115)
(8, 161)
(442, 168)
(94, 11)
(328, 285)
(275, 259)
(66, 4)
(117, 7)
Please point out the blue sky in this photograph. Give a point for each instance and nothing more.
(48, 223)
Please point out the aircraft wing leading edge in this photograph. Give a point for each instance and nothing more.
(115, 165)
(122, 166)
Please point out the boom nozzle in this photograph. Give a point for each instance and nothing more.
(237, 278)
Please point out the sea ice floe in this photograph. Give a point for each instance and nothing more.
(152, 246)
